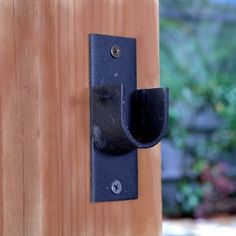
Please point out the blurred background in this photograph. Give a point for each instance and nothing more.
(198, 64)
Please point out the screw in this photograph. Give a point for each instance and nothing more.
(115, 51)
(116, 187)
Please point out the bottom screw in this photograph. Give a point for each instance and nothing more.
(116, 187)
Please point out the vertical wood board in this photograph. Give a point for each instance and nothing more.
(44, 118)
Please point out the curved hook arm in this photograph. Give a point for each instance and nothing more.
(111, 133)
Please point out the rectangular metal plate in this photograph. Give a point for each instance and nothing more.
(106, 70)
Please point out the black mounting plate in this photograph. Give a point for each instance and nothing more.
(107, 70)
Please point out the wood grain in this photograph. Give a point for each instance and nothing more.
(44, 118)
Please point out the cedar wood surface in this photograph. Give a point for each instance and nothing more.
(44, 118)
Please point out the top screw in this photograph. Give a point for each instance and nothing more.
(115, 51)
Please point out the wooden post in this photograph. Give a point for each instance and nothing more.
(44, 118)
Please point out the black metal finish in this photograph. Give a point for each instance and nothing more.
(122, 117)
(111, 133)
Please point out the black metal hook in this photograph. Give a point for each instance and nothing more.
(111, 130)
(122, 117)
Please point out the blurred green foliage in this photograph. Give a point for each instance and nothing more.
(191, 195)
(198, 64)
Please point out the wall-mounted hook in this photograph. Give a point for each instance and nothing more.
(111, 132)
(122, 117)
